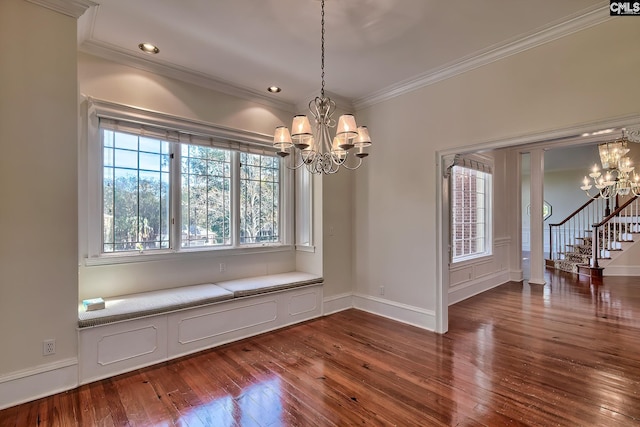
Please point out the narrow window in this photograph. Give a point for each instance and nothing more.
(135, 193)
(470, 213)
(206, 196)
(259, 198)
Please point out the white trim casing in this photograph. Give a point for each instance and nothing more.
(72, 8)
(415, 316)
(621, 270)
(336, 303)
(303, 201)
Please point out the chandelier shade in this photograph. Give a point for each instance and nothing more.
(313, 144)
(282, 138)
(362, 140)
(615, 178)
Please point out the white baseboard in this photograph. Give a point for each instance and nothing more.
(336, 303)
(468, 289)
(516, 276)
(621, 270)
(41, 381)
(416, 316)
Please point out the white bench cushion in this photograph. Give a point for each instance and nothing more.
(273, 282)
(154, 302)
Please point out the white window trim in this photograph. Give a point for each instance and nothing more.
(304, 211)
(482, 164)
(90, 186)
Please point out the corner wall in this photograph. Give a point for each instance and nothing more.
(38, 200)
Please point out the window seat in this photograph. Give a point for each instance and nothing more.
(138, 330)
(166, 300)
(271, 283)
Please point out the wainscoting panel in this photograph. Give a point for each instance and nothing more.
(212, 323)
(116, 348)
(460, 275)
(472, 277)
(125, 345)
(303, 303)
(216, 324)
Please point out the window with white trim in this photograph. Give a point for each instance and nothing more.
(470, 211)
(166, 190)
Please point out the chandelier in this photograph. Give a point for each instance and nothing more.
(615, 179)
(316, 149)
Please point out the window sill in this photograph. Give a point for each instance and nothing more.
(472, 260)
(190, 253)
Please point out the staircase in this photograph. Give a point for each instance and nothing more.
(572, 240)
(575, 255)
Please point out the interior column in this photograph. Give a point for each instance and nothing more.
(536, 192)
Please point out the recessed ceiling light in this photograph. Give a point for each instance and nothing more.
(274, 89)
(148, 48)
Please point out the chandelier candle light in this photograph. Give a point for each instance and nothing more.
(317, 151)
(617, 169)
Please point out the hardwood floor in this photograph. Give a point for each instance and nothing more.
(563, 354)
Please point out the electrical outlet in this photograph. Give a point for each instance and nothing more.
(223, 267)
(48, 347)
(381, 290)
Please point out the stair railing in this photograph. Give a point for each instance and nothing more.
(575, 227)
(614, 229)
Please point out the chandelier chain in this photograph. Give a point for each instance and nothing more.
(316, 150)
(322, 48)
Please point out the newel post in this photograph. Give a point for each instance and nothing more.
(594, 247)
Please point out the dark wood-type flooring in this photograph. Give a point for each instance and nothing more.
(563, 354)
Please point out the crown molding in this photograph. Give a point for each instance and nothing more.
(184, 74)
(585, 19)
(633, 132)
(580, 21)
(72, 8)
(87, 44)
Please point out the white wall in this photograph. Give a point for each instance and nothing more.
(562, 192)
(38, 182)
(581, 78)
(626, 263)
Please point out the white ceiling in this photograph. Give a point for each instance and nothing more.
(373, 47)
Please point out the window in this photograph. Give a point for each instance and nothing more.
(470, 213)
(259, 195)
(135, 193)
(206, 196)
(160, 190)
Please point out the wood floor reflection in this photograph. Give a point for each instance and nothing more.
(563, 354)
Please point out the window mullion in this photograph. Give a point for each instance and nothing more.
(175, 196)
(235, 198)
